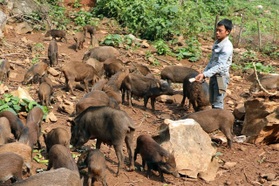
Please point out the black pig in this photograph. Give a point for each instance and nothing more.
(176, 74)
(155, 157)
(57, 34)
(107, 125)
(197, 93)
(141, 86)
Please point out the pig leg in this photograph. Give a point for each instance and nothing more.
(183, 101)
(70, 85)
(228, 134)
(123, 96)
(89, 180)
(145, 100)
(98, 144)
(86, 82)
(119, 154)
(129, 99)
(129, 142)
(39, 144)
(153, 103)
(161, 175)
(104, 182)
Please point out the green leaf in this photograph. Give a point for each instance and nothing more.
(17, 108)
(3, 107)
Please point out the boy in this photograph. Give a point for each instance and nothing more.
(218, 67)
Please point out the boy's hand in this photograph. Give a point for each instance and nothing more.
(199, 78)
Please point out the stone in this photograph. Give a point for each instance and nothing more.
(53, 72)
(191, 146)
(145, 44)
(67, 107)
(275, 146)
(229, 165)
(239, 112)
(51, 117)
(27, 7)
(61, 176)
(23, 28)
(165, 99)
(22, 94)
(3, 89)
(211, 172)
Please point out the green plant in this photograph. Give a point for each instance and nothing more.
(58, 17)
(16, 105)
(192, 51)
(83, 18)
(35, 59)
(38, 47)
(77, 4)
(259, 67)
(162, 47)
(249, 55)
(113, 40)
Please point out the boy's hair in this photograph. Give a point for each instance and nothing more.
(227, 24)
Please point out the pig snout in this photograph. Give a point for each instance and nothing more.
(165, 87)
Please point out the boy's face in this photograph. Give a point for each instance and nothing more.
(221, 32)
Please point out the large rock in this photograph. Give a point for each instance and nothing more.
(261, 121)
(192, 148)
(23, 28)
(57, 177)
(23, 6)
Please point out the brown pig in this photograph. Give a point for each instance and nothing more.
(53, 53)
(112, 66)
(4, 70)
(45, 91)
(37, 70)
(101, 53)
(91, 30)
(96, 163)
(77, 71)
(95, 98)
(10, 166)
(57, 34)
(6, 135)
(57, 136)
(57, 177)
(155, 157)
(214, 119)
(32, 131)
(79, 39)
(60, 156)
(15, 123)
(20, 149)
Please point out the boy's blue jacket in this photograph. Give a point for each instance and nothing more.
(221, 59)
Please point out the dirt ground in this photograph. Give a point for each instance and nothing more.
(252, 162)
